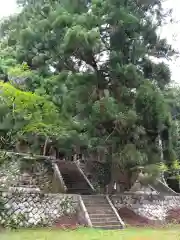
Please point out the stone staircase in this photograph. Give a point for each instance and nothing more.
(74, 178)
(102, 212)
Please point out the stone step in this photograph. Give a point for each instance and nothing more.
(95, 201)
(102, 222)
(67, 176)
(105, 219)
(77, 178)
(101, 215)
(94, 197)
(97, 205)
(73, 181)
(78, 187)
(99, 211)
(78, 191)
(76, 182)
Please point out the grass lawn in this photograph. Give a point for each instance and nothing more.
(90, 234)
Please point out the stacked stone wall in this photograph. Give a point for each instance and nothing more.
(26, 172)
(22, 208)
(151, 206)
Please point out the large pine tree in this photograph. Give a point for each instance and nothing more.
(94, 60)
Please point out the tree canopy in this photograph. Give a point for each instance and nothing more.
(90, 63)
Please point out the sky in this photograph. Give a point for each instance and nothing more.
(170, 31)
(7, 7)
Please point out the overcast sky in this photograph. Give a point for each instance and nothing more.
(171, 32)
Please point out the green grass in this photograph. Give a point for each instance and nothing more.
(90, 234)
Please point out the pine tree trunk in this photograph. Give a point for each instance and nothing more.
(45, 146)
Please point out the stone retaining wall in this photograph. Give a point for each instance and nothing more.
(153, 207)
(28, 209)
(17, 172)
